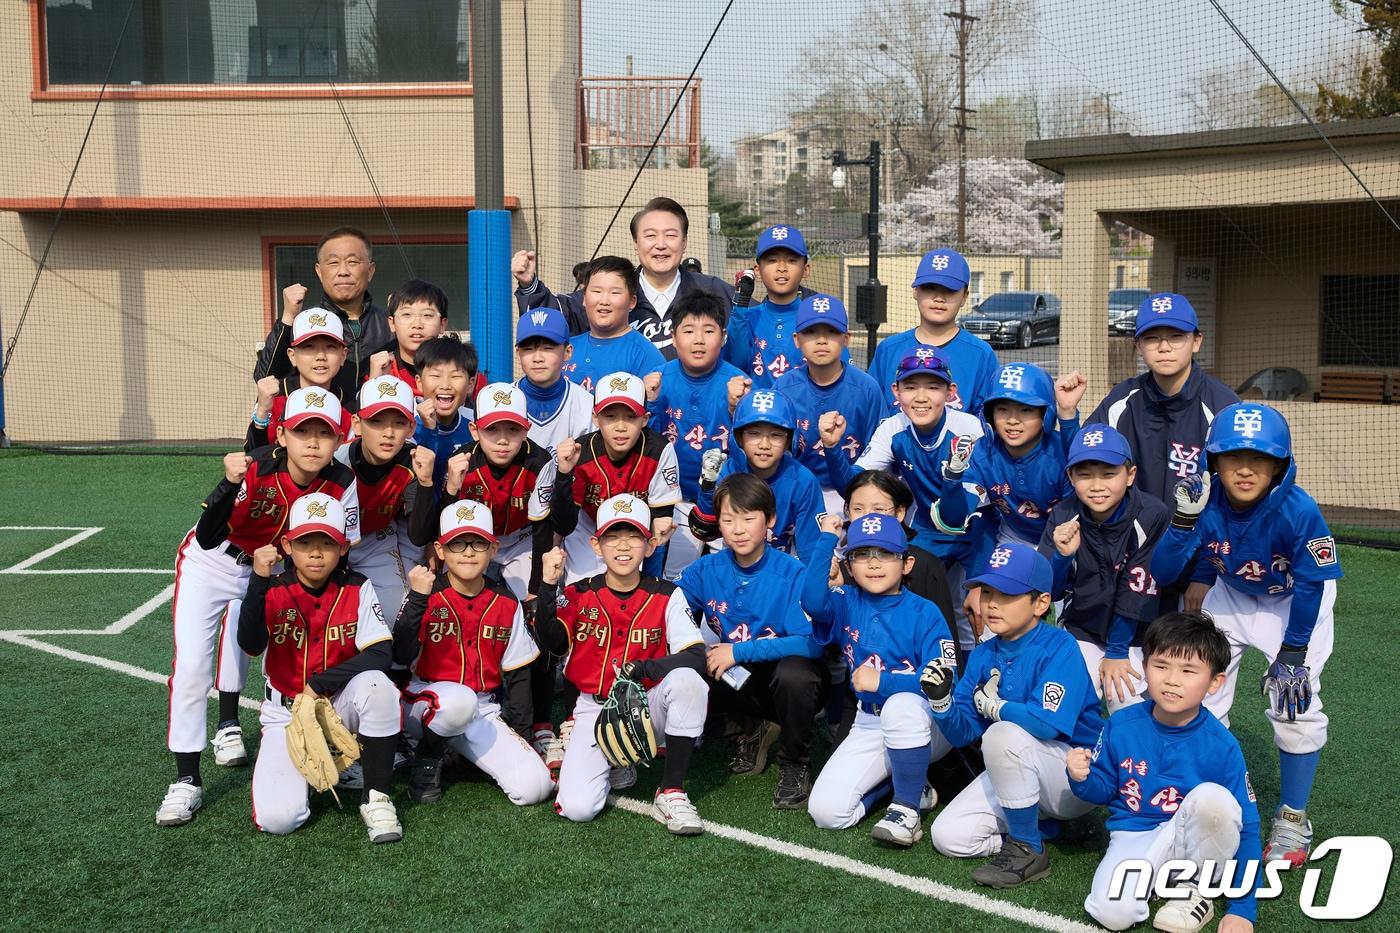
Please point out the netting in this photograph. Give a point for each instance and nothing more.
(1080, 156)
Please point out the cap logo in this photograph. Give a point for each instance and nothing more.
(821, 305)
(316, 320)
(1249, 421)
(466, 514)
(939, 261)
(764, 401)
(1000, 557)
(780, 233)
(1162, 304)
(623, 507)
(619, 384)
(1093, 439)
(501, 397)
(316, 509)
(539, 317)
(388, 388)
(1011, 377)
(315, 400)
(871, 524)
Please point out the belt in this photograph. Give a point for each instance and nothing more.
(276, 696)
(239, 555)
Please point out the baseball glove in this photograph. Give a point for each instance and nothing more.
(623, 731)
(318, 743)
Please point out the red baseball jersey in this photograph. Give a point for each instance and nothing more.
(607, 629)
(309, 633)
(649, 472)
(381, 487)
(518, 494)
(473, 640)
(267, 493)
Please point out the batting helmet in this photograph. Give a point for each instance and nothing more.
(1026, 384)
(764, 406)
(1250, 426)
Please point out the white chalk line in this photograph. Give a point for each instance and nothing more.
(83, 532)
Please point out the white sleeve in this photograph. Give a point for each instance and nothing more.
(543, 493)
(665, 486)
(350, 499)
(879, 453)
(521, 649)
(370, 628)
(681, 630)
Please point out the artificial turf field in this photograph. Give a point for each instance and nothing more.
(83, 766)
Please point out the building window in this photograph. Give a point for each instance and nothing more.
(976, 284)
(1360, 320)
(1006, 282)
(258, 41)
(443, 264)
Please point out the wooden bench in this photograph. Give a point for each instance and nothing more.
(1370, 388)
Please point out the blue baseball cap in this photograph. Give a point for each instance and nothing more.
(781, 236)
(548, 323)
(876, 530)
(1014, 568)
(945, 267)
(1099, 443)
(1166, 309)
(924, 360)
(822, 309)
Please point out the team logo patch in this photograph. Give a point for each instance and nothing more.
(940, 261)
(316, 509)
(780, 233)
(315, 400)
(947, 650)
(870, 525)
(1052, 696)
(501, 397)
(1184, 461)
(671, 476)
(821, 305)
(388, 388)
(764, 401)
(1249, 421)
(1093, 439)
(1162, 304)
(1323, 550)
(316, 320)
(1012, 377)
(1000, 557)
(619, 384)
(623, 508)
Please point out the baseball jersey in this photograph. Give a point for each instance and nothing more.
(596, 357)
(649, 472)
(1166, 433)
(470, 640)
(1280, 548)
(758, 341)
(312, 632)
(692, 412)
(442, 440)
(797, 493)
(517, 494)
(607, 629)
(897, 633)
(562, 410)
(751, 608)
(1108, 587)
(972, 362)
(854, 394)
(917, 458)
(1021, 490)
(1142, 770)
(1043, 681)
(254, 513)
(386, 490)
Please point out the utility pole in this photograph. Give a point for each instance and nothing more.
(871, 297)
(963, 27)
(1108, 107)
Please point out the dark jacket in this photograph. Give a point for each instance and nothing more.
(374, 336)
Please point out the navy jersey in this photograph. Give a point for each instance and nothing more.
(596, 357)
(1042, 674)
(692, 412)
(751, 608)
(854, 394)
(897, 633)
(799, 500)
(1279, 548)
(972, 362)
(1021, 490)
(1142, 770)
(918, 459)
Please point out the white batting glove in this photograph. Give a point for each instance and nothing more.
(986, 700)
(959, 456)
(711, 462)
(1191, 494)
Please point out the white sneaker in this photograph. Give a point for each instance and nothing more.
(929, 799)
(228, 747)
(900, 826)
(622, 778)
(1186, 915)
(674, 810)
(381, 819)
(541, 740)
(181, 801)
(352, 778)
(554, 753)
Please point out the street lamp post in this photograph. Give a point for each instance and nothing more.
(870, 297)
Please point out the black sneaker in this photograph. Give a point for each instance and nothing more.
(751, 750)
(794, 787)
(425, 780)
(1014, 865)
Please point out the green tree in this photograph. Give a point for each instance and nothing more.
(734, 222)
(1377, 82)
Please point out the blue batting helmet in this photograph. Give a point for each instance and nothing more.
(1250, 426)
(764, 406)
(1026, 384)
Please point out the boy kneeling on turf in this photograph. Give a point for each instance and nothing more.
(1027, 695)
(324, 635)
(1175, 783)
(622, 621)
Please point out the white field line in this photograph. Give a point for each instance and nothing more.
(24, 567)
(82, 535)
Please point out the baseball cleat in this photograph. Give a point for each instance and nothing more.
(794, 787)
(1291, 838)
(1186, 915)
(1014, 865)
(622, 778)
(751, 750)
(543, 736)
(929, 798)
(674, 810)
(425, 780)
(381, 819)
(900, 826)
(181, 801)
(352, 778)
(228, 747)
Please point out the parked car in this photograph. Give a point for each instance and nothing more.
(1016, 319)
(1125, 325)
(1124, 300)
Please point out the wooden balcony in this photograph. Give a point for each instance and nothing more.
(619, 118)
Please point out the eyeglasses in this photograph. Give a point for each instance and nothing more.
(460, 545)
(1176, 339)
(871, 555)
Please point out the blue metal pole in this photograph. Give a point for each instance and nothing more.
(492, 313)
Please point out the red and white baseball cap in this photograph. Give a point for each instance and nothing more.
(383, 393)
(501, 401)
(624, 510)
(315, 512)
(311, 402)
(317, 322)
(620, 389)
(466, 517)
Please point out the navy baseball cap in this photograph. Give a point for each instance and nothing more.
(1099, 443)
(879, 531)
(1014, 568)
(1166, 309)
(945, 267)
(548, 323)
(925, 361)
(781, 236)
(822, 309)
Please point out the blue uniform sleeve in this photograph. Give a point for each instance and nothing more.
(818, 600)
(840, 468)
(1120, 637)
(934, 642)
(773, 649)
(691, 584)
(649, 359)
(1063, 690)
(955, 505)
(1250, 851)
(1101, 785)
(1065, 429)
(1023, 715)
(1302, 612)
(738, 339)
(1175, 550)
(810, 507)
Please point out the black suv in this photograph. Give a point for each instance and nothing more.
(1016, 319)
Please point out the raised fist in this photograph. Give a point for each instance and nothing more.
(456, 472)
(652, 383)
(293, 297)
(236, 466)
(268, 387)
(830, 523)
(1077, 763)
(566, 454)
(423, 459)
(420, 579)
(522, 266)
(1069, 389)
(1191, 494)
(1066, 537)
(552, 565)
(265, 558)
(380, 364)
(831, 427)
(738, 387)
(959, 456)
(427, 415)
(711, 462)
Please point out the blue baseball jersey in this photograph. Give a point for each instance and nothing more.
(692, 412)
(972, 362)
(1042, 674)
(1021, 490)
(1142, 770)
(1280, 548)
(758, 341)
(596, 357)
(799, 500)
(752, 608)
(897, 633)
(917, 458)
(442, 441)
(854, 394)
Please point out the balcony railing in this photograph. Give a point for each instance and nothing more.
(618, 118)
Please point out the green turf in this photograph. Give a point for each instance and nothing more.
(82, 756)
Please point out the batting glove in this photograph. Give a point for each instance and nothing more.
(711, 463)
(986, 700)
(1288, 677)
(1192, 493)
(959, 456)
(936, 680)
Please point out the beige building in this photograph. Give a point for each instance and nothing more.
(219, 154)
